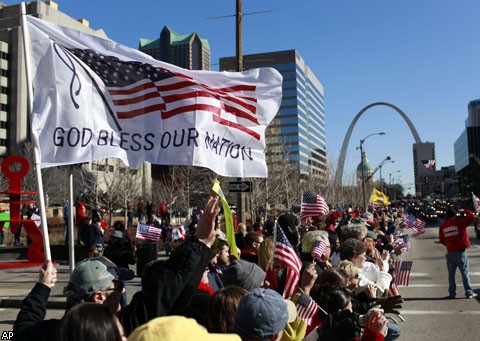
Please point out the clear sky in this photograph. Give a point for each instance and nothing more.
(421, 56)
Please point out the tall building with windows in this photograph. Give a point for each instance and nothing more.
(188, 51)
(14, 119)
(423, 151)
(185, 50)
(467, 152)
(299, 127)
(14, 122)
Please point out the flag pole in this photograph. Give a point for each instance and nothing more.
(71, 228)
(36, 150)
(274, 242)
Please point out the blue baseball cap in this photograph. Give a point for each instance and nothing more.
(263, 313)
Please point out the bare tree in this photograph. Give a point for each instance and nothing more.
(183, 187)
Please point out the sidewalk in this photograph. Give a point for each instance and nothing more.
(15, 284)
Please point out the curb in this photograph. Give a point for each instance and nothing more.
(17, 303)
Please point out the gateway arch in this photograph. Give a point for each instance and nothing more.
(341, 160)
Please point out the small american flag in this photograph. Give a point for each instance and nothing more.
(402, 271)
(318, 249)
(284, 254)
(429, 164)
(307, 308)
(146, 232)
(313, 205)
(137, 88)
(404, 240)
(394, 291)
(416, 224)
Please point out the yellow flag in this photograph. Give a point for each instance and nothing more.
(379, 198)
(228, 219)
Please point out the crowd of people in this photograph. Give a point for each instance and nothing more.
(341, 289)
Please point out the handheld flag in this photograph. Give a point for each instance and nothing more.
(402, 272)
(416, 224)
(404, 240)
(284, 254)
(429, 164)
(379, 198)
(96, 99)
(228, 219)
(313, 205)
(148, 233)
(318, 250)
(307, 308)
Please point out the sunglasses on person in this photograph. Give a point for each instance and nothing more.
(118, 287)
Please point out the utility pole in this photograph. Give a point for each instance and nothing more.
(238, 49)
(241, 202)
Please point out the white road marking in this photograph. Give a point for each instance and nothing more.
(474, 285)
(439, 312)
(419, 274)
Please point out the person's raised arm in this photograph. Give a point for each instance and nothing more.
(30, 319)
(466, 220)
(47, 274)
(206, 225)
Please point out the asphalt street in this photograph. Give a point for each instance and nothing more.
(427, 315)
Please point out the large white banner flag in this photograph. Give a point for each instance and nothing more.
(95, 98)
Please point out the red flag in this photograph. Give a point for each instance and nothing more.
(284, 254)
(163, 209)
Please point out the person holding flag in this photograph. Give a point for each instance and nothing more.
(453, 234)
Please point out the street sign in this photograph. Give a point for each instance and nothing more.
(240, 186)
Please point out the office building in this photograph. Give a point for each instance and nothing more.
(467, 152)
(423, 151)
(299, 127)
(14, 119)
(185, 50)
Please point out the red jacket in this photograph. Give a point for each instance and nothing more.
(453, 232)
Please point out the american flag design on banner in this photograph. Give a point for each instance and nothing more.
(313, 205)
(429, 164)
(137, 88)
(284, 254)
(148, 233)
(402, 272)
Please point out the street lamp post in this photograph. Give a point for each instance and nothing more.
(390, 176)
(363, 170)
(387, 159)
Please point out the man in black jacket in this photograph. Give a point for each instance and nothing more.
(167, 287)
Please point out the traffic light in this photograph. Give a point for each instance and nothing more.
(426, 180)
